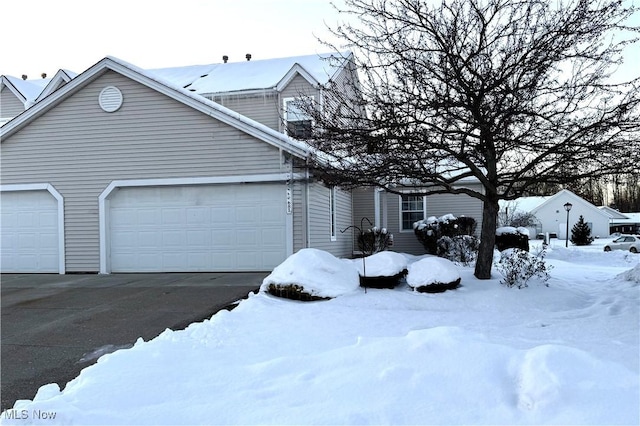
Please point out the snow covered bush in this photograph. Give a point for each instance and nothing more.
(449, 237)
(311, 274)
(518, 266)
(462, 249)
(580, 233)
(433, 275)
(508, 237)
(374, 240)
(381, 270)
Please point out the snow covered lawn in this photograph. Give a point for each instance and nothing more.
(481, 354)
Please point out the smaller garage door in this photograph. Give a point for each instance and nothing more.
(238, 227)
(29, 232)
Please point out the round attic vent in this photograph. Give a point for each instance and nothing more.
(110, 99)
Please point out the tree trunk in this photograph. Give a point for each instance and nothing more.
(487, 239)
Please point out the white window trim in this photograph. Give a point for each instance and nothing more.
(400, 211)
(333, 214)
(285, 110)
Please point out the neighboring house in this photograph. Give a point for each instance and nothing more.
(19, 94)
(552, 216)
(624, 223)
(198, 168)
(122, 170)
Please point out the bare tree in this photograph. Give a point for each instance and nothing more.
(510, 92)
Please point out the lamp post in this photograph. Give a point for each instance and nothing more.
(567, 207)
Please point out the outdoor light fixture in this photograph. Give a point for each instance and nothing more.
(567, 207)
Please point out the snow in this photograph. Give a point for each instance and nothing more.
(318, 272)
(512, 230)
(382, 264)
(432, 270)
(481, 354)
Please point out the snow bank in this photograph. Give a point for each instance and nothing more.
(320, 274)
(432, 270)
(382, 264)
(632, 275)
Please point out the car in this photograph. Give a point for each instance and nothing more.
(625, 242)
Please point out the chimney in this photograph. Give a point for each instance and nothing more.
(24, 76)
(43, 75)
(225, 58)
(248, 56)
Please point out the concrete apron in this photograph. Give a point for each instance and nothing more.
(53, 326)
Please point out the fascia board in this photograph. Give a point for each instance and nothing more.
(296, 69)
(60, 77)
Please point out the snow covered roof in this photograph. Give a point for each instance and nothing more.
(26, 90)
(254, 74)
(612, 213)
(523, 204)
(629, 218)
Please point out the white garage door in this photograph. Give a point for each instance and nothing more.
(29, 232)
(198, 228)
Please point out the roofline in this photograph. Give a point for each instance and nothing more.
(191, 99)
(60, 76)
(571, 194)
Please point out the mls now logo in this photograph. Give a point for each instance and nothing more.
(26, 414)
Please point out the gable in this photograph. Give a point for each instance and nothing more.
(10, 104)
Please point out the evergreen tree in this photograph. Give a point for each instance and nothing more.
(580, 233)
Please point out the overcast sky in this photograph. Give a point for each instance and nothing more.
(39, 36)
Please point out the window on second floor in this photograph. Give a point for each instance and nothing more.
(297, 122)
(412, 209)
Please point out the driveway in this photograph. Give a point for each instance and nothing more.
(53, 326)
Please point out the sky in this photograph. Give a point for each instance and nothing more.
(45, 36)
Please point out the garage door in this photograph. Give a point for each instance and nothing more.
(198, 228)
(29, 232)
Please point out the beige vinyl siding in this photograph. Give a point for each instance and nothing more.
(320, 221)
(261, 107)
(80, 149)
(10, 105)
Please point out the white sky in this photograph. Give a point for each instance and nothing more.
(39, 36)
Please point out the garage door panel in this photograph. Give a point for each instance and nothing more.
(29, 229)
(202, 228)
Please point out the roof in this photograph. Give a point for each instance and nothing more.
(165, 87)
(570, 196)
(523, 204)
(254, 74)
(25, 90)
(612, 213)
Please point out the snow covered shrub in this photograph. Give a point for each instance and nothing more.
(580, 233)
(312, 274)
(433, 275)
(462, 249)
(441, 236)
(509, 237)
(518, 266)
(381, 270)
(374, 240)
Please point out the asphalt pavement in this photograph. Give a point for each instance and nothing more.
(53, 326)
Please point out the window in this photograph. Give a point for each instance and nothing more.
(332, 213)
(412, 209)
(297, 122)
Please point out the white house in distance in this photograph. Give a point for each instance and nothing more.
(552, 216)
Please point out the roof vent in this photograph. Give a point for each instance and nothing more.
(110, 99)
(43, 75)
(24, 76)
(248, 56)
(225, 58)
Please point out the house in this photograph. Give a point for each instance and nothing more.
(185, 169)
(624, 223)
(123, 170)
(551, 215)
